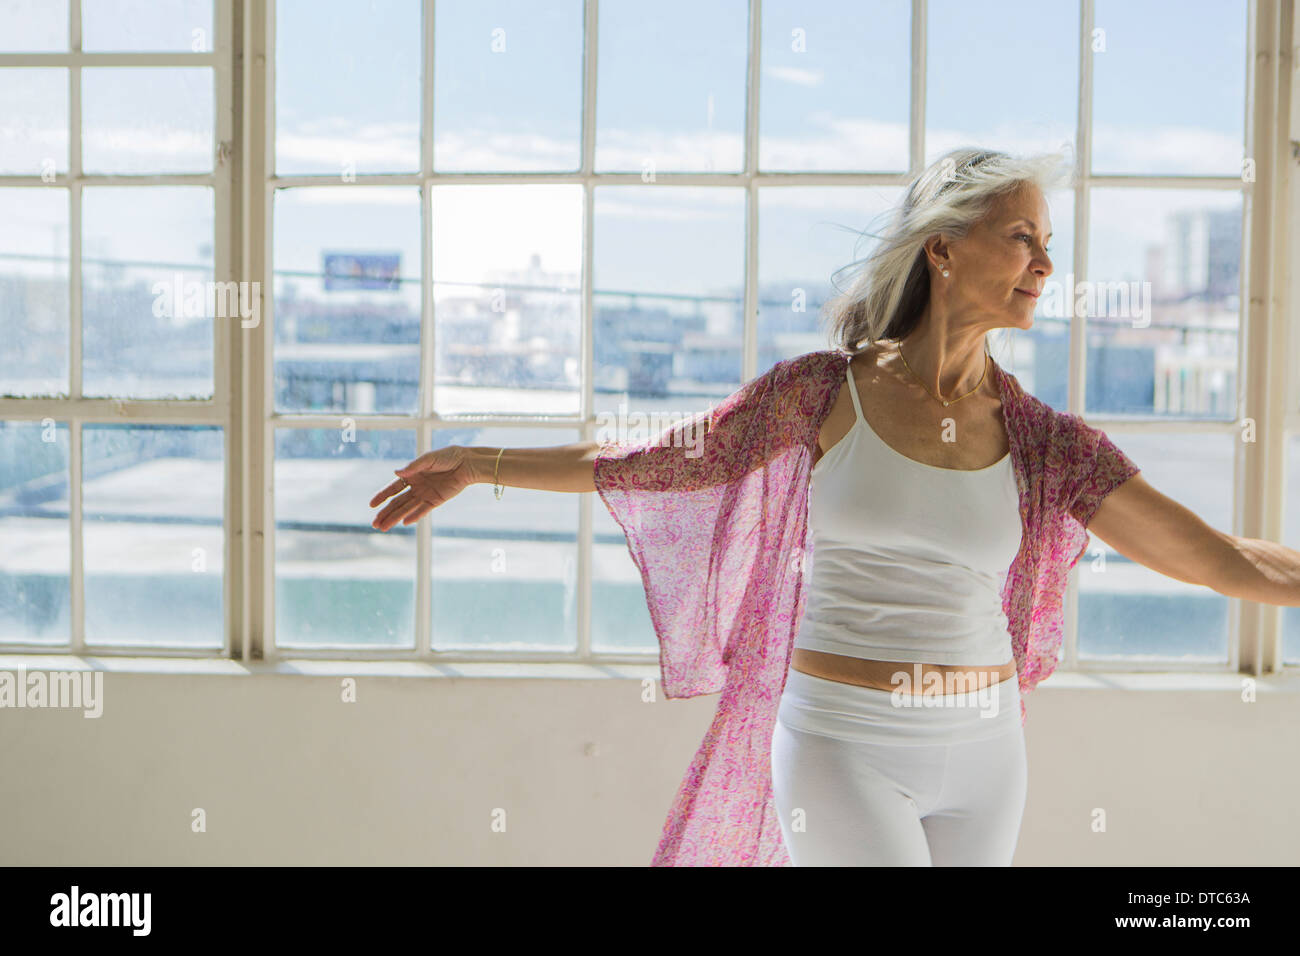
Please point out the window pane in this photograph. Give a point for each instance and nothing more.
(505, 573)
(34, 136)
(826, 106)
(34, 26)
(183, 25)
(1001, 75)
(154, 538)
(1130, 612)
(806, 235)
(669, 296)
(1169, 89)
(507, 301)
(146, 316)
(33, 292)
(1291, 538)
(147, 120)
(1164, 268)
(347, 87)
(347, 299)
(507, 86)
(339, 582)
(35, 558)
(672, 86)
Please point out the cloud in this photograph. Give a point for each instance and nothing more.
(795, 75)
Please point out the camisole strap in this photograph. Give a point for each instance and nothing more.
(853, 392)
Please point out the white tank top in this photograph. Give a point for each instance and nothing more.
(908, 559)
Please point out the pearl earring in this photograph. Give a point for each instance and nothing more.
(945, 272)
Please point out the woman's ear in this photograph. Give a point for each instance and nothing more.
(937, 251)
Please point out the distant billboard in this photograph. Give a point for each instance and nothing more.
(348, 271)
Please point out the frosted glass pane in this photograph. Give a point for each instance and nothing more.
(147, 25)
(147, 120)
(347, 299)
(1130, 612)
(507, 86)
(154, 540)
(505, 573)
(669, 296)
(36, 556)
(672, 86)
(1169, 88)
(34, 26)
(1291, 538)
(338, 581)
(139, 245)
(34, 135)
(826, 106)
(807, 234)
(34, 291)
(347, 87)
(977, 53)
(507, 303)
(1164, 272)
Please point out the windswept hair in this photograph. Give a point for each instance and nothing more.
(959, 189)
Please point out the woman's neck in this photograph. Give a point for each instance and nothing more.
(949, 367)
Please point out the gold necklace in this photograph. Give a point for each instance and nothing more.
(946, 401)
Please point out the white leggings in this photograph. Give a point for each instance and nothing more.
(858, 781)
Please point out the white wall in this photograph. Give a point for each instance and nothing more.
(410, 773)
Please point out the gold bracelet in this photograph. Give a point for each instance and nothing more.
(497, 489)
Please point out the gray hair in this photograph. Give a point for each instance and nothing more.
(959, 189)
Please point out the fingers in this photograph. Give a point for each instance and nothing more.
(395, 510)
(387, 492)
(407, 509)
(422, 507)
(417, 513)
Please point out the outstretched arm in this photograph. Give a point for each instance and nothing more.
(553, 468)
(1154, 530)
(437, 476)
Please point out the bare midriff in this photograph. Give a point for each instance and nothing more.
(880, 674)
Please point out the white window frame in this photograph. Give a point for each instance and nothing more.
(245, 73)
(78, 411)
(1254, 631)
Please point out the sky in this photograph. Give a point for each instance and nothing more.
(1169, 96)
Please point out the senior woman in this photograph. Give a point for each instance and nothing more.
(871, 711)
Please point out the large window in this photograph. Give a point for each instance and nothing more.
(482, 222)
(115, 207)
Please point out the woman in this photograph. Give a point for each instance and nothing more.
(875, 722)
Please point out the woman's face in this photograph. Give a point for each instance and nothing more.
(1002, 255)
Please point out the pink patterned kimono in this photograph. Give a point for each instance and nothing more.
(720, 540)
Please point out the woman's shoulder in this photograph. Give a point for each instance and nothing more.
(815, 366)
(796, 393)
(1048, 426)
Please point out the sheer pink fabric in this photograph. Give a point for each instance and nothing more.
(719, 534)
